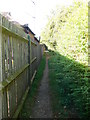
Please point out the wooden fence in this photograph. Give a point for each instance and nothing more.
(19, 60)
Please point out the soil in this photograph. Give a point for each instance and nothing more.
(42, 108)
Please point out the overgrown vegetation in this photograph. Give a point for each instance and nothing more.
(28, 105)
(67, 31)
(67, 34)
(69, 86)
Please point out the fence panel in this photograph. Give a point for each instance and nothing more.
(13, 67)
(19, 59)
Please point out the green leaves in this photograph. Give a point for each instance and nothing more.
(67, 31)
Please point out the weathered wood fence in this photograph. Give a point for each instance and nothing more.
(19, 60)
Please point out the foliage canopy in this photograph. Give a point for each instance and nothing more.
(67, 31)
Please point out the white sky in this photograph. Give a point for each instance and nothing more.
(24, 11)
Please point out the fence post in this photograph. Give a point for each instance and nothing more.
(1, 67)
(29, 59)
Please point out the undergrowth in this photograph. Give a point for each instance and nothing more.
(69, 87)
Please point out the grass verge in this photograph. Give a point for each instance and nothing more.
(69, 87)
(29, 103)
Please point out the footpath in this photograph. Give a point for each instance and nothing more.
(42, 107)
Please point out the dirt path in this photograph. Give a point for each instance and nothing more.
(42, 108)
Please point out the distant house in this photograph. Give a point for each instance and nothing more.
(28, 31)
(36, 39)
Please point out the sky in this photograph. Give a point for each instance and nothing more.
(31, 12)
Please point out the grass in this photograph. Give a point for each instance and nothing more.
(29, 103)
(69, 87)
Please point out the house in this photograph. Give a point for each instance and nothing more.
(28, 31)
(36, 39)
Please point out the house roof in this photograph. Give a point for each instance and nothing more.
(27, 29)
(36, 39)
